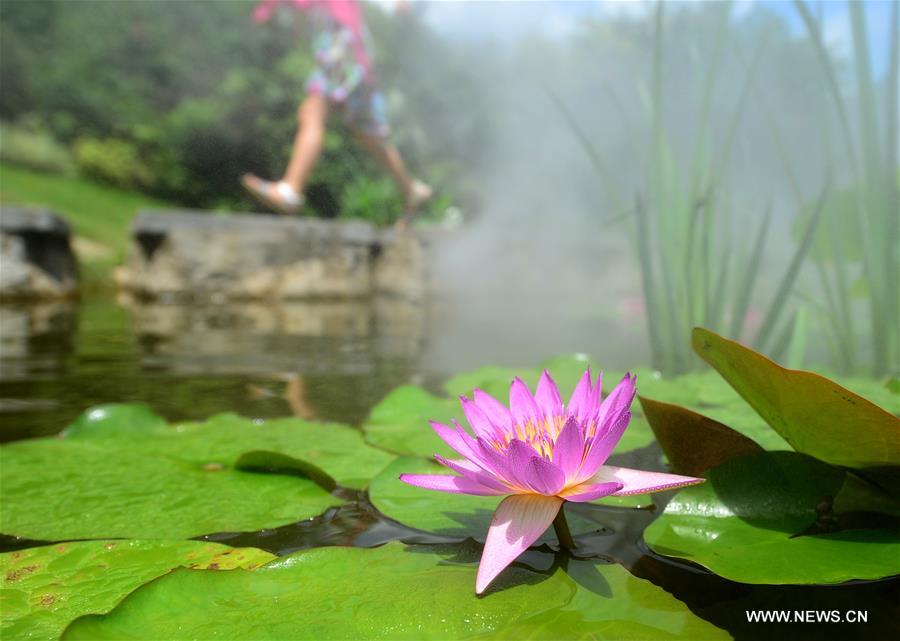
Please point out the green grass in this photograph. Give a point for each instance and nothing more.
(97, 212)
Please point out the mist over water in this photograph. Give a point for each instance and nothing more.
(544, 264)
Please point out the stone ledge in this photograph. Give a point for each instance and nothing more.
(36, 258)
(198, 256)
(18, 220)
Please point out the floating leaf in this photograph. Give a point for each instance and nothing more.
(638, 435)
(893, 386)
(60, 489)
(493, 380)
(337, 450)
(677, 391)
(352, 593)
(399, 423)
(707, 387)
(743, 525)
(814, 414)
(741, 418)
(277, 463)
(115, 420)
(459, 515)
(611, 604)
(679, 431)
(44, 589)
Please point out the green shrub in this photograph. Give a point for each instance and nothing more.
(372, 199)
(111, 160)
(29, 145)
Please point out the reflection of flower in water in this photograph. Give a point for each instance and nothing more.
(542, 453)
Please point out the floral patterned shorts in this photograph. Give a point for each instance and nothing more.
(343, 81)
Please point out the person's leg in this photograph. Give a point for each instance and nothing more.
(365, 114)
(388, 157)
(311, 116)
(286, 196)
(415, 193)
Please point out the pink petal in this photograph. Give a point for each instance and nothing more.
(580, 400)
(455, 437)
(641, 482)
(602, 446)
(594, 400)
(518, 456)
(496, 411)
(617, 402)
(474, 473)
(544, 477)
(475, 450)
(454, 484)
(568, 452)
(518, 522)
(479, 421)
(521, 403)
(547, 396)
(589, 491)
(494, 462)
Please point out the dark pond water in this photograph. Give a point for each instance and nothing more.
(334, 361)
(189, 362)
(192, 362)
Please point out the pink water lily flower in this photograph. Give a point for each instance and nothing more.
(541, 453)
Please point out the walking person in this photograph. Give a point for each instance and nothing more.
(343, 83)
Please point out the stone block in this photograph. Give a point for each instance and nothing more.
(202, 256)
(36, 258)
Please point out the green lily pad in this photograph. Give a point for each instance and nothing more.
(893, 386)
(493, 380)
(57, 489)
(742, 419)
(394, 592)
(610, 603)
(459, 515)
(814, 414)
(115, 420)
(638, 435)
(741, 522)
(338, 450)
(399, 423)
(46, 588)
(709, 388)
(277, 463)
(669, 390)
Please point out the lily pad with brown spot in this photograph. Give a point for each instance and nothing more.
(43, 589)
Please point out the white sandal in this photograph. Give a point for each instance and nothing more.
(280, 196)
